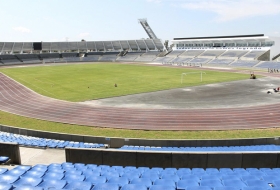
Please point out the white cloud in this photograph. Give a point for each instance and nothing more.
(84, 34)
(154, 1)
(22, 29)
(234, 9)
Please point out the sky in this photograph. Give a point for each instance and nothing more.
(95, 20)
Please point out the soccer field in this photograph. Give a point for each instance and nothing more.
(81, 82)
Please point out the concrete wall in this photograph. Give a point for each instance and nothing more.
(114, 142)
(12, 151)
(175, 159)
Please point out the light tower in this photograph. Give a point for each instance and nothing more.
(147, 28)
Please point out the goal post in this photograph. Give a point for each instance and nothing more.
(185, 74)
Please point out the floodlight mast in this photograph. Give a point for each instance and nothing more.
(147, 28)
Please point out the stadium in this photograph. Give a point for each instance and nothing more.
(195, 113)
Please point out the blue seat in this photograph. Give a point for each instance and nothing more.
(22, 167)
(24, 187)
(4, 159)
(5, 186)
(270, 178)
(79, 185)
(134, 187)
(152, 176)
(211, 183)
(15, 172)
(3, 170)
(199, 188)
(234, 183)
(190, 177)
(257, 183)
(109, 174)
(226, 188)
(57, 184)
(121, 181)
(28, 181)
(96, 179)
(73, 177)
(33, 173)
(53, 175)
(248, 177)
(89, 172)
(173, 177)
(184, 183)
(142, 181)
(165, 182)
(131, 175)
(6, 178)
(230, 177)
(161, 187)
(103, 186)
(254, 188)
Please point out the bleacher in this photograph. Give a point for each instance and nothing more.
(253, 54)
(199, 60)
(148, 56)
(64, 55)
(9, 59)
(43, 142)
(212, 53)
(163, 59)
(130, 56)
(192, 53)
(269, 64)
(221, 61)
(233, 54)
(244, 63)
(175, 53)
(81, 176)
(181, 60)
(28, 58)
(109, 56)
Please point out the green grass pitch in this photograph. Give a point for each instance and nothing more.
(80, 82)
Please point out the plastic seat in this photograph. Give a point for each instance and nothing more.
(183, 184)
(152, 176)
(190, 177)
(248, 177)
(4, 159)
(109, 174)
(254, 188)
(79, 185)
(270, 178)
(53, 175)
(89, 172)
(161, 187)
(7, 178)
(165, 182)
(226, 188)
(103, 186)
(257, 183)
(3, 170)
(73, 177)
(173, 177)
(57, 184)
(234, 183)
(199, 188)
(142, 181)
(121, 181)
(24, 187)
(211, 183)
(5, 186)
(22, 167)
(134, 187)
(15, 172)
(29, 181)
(33, 174)
(130, 175)
(230, 177)
(96, 179)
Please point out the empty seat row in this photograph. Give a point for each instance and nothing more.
(90, 176)
(45, 143)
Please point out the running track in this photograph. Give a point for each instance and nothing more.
(17, 99)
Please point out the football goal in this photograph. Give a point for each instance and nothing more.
(190, 73)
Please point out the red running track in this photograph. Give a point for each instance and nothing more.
(17, 99)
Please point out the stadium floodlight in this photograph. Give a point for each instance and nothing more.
(185, 74)
(147, 28)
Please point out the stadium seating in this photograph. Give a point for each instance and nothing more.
(44, 143)
(199, 60)
(191, 53)
(3, 160)
(212, 53)
(221, 61)
(233, 54)
(254, 54)
(109, 56)
(244, 63)
(148, 56)
(57, 177)
(269, 64)
(130, 56)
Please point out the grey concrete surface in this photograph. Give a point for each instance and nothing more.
(33, 156)
(243, 93)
